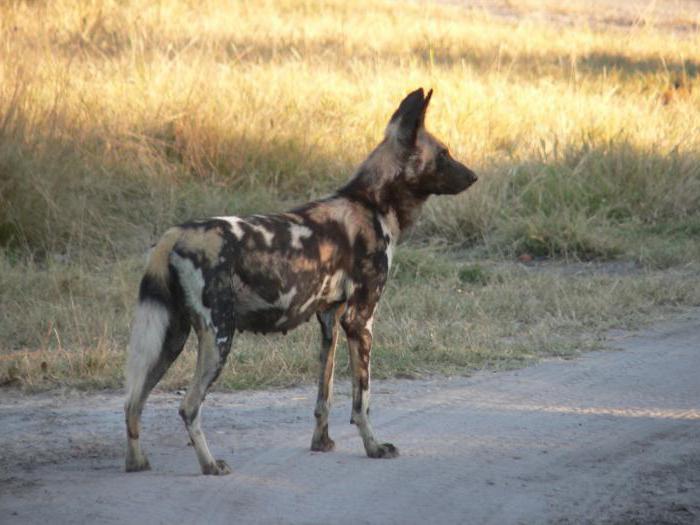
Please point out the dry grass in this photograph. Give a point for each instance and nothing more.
(440, 315)
(118, 119)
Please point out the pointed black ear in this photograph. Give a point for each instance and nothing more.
(408, 118)
(425, 106)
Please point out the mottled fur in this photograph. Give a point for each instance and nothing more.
(269, 273)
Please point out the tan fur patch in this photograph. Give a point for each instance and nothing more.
(391, 224)
(160, 256)
(207, 242)
(386, 161)
(355, 219)
(273, 263)
(383, 159)
(326, 251)
(302, 264)
(253, 258)
(382, 165)
(428, 147)
(293, 217)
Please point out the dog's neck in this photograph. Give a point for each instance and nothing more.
(384, 190)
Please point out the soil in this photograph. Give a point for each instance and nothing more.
(611, 437)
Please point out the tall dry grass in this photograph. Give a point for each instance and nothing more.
(118, 119)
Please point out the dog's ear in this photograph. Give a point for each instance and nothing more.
(409, 118)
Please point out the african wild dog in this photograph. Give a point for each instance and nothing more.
(270, 273)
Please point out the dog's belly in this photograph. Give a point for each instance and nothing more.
(270, 320)
(258, 309)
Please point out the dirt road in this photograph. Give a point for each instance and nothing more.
(612, 437)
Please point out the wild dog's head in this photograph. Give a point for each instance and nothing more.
(427, 168)
(408, 166)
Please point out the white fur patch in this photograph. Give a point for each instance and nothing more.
(267, 234)
(334, 288)
(362, 421)
(235, 223)
(348, 289)
(298, 232)
(192, 282)
(150, 323)
(308, 303)
(316, 296)
(390, 254)
(392, 129)
(389, 225)
(248, 300)
(365, 400)
(285, 299)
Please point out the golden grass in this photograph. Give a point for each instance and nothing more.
(118, 119)
(289, 96)
(226, 85)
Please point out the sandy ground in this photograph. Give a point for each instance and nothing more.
(612, 437)
(678, 16)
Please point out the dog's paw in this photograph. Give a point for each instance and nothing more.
(219, 468)
(137, 464)
(325, 444)
(385, 451)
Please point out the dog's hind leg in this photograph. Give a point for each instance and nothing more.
(358, 329)
(213, 350)
(321, 441)
(157, 339)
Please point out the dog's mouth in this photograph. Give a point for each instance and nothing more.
(459, 180)
(472, 178)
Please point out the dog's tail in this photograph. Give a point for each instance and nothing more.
(153, 315)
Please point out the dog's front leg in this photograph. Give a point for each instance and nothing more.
(321, 441)
(358, 329)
